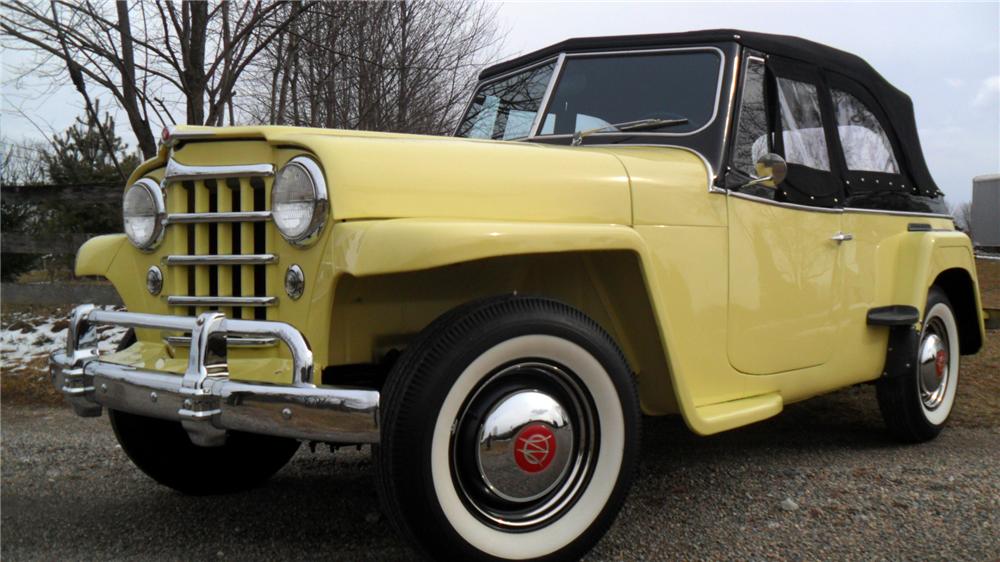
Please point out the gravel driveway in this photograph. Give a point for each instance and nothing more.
(821, 481)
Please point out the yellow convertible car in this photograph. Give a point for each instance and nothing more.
(711, 224)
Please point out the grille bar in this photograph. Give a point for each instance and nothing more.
(221, 240)
(226, 217)
(180, 172)
(232, 341)
(252, 302)
(222, 259)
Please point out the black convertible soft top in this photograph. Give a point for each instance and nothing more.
(894, 103)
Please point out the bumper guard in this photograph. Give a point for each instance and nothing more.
(204, 399)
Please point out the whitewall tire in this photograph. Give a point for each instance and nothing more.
(510, 432)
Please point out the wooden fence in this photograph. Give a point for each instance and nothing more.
(55, 243)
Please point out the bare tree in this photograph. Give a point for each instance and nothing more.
(392, 66)
(150, 57)
(963, 215)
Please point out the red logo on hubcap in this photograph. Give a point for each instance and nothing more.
(534, 448)
(940, 361)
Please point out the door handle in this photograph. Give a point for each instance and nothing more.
(841, 237)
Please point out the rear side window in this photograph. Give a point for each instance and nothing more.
(802, 125)
(866, 146)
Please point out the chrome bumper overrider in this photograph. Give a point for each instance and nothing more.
(204, 399)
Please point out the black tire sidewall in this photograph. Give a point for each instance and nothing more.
(423, 381)
(165, 453)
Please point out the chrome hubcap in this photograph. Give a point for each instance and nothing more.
(934, 364)
(524, 445)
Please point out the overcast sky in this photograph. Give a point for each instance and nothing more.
(946, 56)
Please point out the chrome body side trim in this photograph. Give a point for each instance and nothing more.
(202, 218)
(749, 197)
(181, 300)
(221, 259)
(898, 213)
(204, 400)
(180, 172)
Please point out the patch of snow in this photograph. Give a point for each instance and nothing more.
(25, 337)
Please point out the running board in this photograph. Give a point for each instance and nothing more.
(737, 413)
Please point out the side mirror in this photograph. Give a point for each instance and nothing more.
(771, 171)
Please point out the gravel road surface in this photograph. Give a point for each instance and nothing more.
(821, 481)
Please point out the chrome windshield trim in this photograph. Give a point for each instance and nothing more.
(221, 259)
(899, 213)
(796, 206)
(715, 109)
(181, 172)
(479, 86)
(536, 123)
(176, 300)
(234, 216)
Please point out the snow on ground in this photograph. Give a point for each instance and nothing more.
(26, 336)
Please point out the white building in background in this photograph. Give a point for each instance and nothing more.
(986, 211)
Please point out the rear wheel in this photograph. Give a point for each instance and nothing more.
(510, 432)
(164, 452)
(917, 405)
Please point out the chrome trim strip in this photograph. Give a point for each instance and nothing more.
(180, 172)
(708, 167)
(715, 108)
(231, 341)
(538, 121)
(221, 301)
(221, 259)
(233, 216)
(757, 199)
(898, 213)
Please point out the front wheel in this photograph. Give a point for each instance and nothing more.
(510, 432)
(162, 450)
(916, 406)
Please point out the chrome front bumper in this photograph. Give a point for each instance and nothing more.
(204, 399)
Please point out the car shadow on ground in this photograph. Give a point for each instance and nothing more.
(325, 501)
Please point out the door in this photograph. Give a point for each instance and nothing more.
(785, 242)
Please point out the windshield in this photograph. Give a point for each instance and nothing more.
(678, 88)
(505, 109)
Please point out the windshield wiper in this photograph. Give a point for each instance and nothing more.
(628, 126)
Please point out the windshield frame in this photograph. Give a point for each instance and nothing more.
(558, 59)
(537, 122)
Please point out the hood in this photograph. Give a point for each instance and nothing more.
(387, 175)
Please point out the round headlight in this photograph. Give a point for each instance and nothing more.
(299, 200)
(143, 213)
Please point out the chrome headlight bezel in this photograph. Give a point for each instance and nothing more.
(160, 214)
(320, 201)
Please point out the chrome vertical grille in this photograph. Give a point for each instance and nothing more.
(220, 242)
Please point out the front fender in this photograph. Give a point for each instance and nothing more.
(366, 248)
(96, 255)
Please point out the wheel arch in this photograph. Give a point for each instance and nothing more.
(961, 290)
(385, 311)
